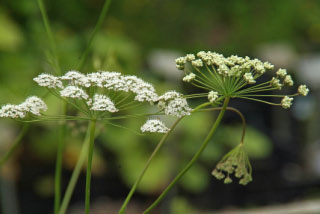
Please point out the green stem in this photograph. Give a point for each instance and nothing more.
(89, 165)
(193, 160)
(15, 145)
(75, 174)
(50, 35)
(155, 151)
(96, 29)
(58, 171)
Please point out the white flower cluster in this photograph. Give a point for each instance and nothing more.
(246, 68)
(74, 92)
(249, 78)
(154, 125)
(174, 104)
(48, 80)
(189, 77)
(102, 103)
(212, 96)
(31, 105)
(225, 65)
(275, 82)
(281, 74)
(303, 90)
(104, 79)
(286, 102)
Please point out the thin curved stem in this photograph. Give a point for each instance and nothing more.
(75, 174)
(155, 151)
(261, 101)
(96, 29)
(244, 124)
(193, 160)
(89, 165)
(15, 145)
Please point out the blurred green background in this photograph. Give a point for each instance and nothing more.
(143, 38)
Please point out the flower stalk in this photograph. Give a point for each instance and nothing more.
(155, 151)
(75, 173)
(89, 165)
(193, 160)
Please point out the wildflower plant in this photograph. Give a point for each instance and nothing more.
(104, 96)
(222, 79)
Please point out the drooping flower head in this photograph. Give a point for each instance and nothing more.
(235, 162)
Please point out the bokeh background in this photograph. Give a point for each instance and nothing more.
(143, 38)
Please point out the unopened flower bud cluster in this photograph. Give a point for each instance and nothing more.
(233, 76)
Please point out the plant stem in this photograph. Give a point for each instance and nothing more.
(59, 159)
(193, 160)
(15, 145)
(155, 151)
(58, 171)
(89, 165)
(96, 29)
(50, 36)
(75, 173)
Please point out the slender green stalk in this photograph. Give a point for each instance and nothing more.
(50, 36)
(15, 145)
(193, 160)
(89, 165)
(75, 174)
(244, 124)
(155, 151)
(58, 171)
(96, 29)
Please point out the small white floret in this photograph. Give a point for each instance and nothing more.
(275, 82)
(288, 80)
(102, 103)
(189, 77)
(177, 107)
(281, 72)
(286, 102)
(12, 111)
(77, 78)
(74, 92)
(190, 57)
(144, 91)
(48, 80)
(197, 63)
(154, 125)
(303, 90)
(34, 105)
(249, 78)
(169, 95)
(212, 96)
(181, 61)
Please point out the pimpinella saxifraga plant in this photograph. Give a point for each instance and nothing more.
(104, 96)
(222, 79)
